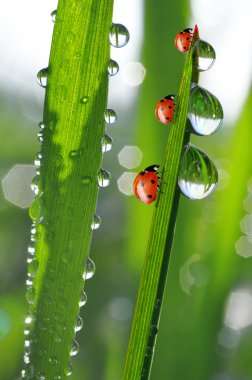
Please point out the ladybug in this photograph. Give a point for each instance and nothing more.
(183, 40)
(146, 184)
(165, 108)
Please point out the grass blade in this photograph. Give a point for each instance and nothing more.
(149, 301)
(75, 102)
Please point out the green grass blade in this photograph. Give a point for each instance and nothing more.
(149, 301)
(71, 158)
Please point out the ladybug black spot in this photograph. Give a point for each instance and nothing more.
(142, 173)
(187, 38)
(167, 118)
(162, 100)
(152, 181)
(149, 196)
(169, 107)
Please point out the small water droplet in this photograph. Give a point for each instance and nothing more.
(57, 377)
(40, 137)
(53, 360)
(206, 55)
(31, 248)
(84, 99)
(103, 178)
(40, 376)
(37, 163)
(118, 35)
(113, 67)
(198, 175)
(86, 180)
(42, 77)
(29, 319)
(74, 348)
(29, 282)
(110, 116)
(36, 185)
(35, 210)
(96, 222)
(89, 269)
(69, 370)
(83, 299)
(79, 324)
(149, 351)
(204, 111)
(57, 339)
(26, 358)
(107, 143)
(74, 153)
(41, 125)
(53, 15)
(33, 268)
(30, 295)
(158, 303)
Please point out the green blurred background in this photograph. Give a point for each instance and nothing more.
(205, 331)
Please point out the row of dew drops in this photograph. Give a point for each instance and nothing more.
(118, 37)
(198, 175)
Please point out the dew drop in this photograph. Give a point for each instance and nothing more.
(53, 360)
(40, 376)
(33, 268)
(84, 99)
(57, 377)
(35, 185)
(198, 175)
(205, 54)
(89, 269)
(118, 35)
(153, 330)
(69, 370)
(79, 324)
(30, 295)
(41, 125)
(113, 67)
(42, 77)
(74, 153)
(83, 299)
(74, 348)
(29, 282)
(86, 180)
(35, 210)
(110, 116)
(53, 15)
(107, 143)
(103, 178)
(40, 137)
(96, 222)
(31, 248)
(204, 111)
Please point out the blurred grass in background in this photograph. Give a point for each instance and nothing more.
(205, 330)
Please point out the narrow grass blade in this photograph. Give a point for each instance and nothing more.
(149, 301)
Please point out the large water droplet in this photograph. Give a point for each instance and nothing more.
(79, 324)
(89, 269)
(206, 55)
(107, 143)
(110, 116)
(198, 175)
(96, 222)
(42, 77)
(83, 299)
(204, 111)
(74, 348)
(103, 178)
(53, 15)
(113, 67)
(118, 35)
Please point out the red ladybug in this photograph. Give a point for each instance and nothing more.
(146, 184)
(165, 108)
(183, 40)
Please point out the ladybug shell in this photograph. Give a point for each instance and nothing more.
(164, 110)
(183, 41)
(146, 186)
